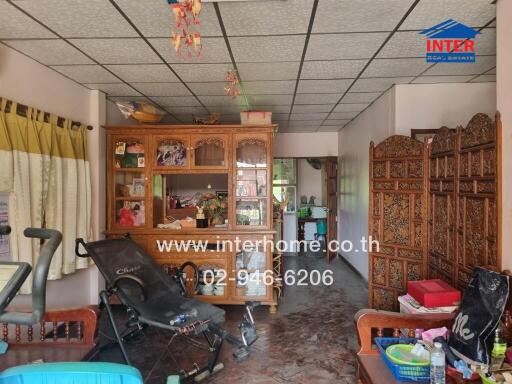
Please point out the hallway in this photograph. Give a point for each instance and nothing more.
(311, 340)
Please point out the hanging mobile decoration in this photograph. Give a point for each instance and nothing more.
(231, 89)
(186, 41)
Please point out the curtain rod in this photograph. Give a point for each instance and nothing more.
(22, 110)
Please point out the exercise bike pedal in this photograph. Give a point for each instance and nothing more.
(241, 354)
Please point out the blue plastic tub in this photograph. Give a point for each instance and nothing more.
(402, 372)
(321, 227)
(71, 373)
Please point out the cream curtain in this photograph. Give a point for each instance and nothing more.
(45, 170)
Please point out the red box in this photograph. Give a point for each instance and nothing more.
(433, 293)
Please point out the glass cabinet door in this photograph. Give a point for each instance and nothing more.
(251, 181)
(251, 277)
(209, 151)
(129, 182)
(172, 152)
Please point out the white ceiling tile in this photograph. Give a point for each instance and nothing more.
(213, 50)
(484, 79)
(395, 67)
(87, 73)
(317, 98)
(366, 97)
(482, 64)
(221, 101)
(474, 13)
(486, 42)
(214, 88)
(128, 98)
(324, 86)
(269, 18)
(491, 71)
(155, 18)
(187, 118)
(14, 24)
(280, 117)
(117, 51)
(308, 116)
(332, 69)
(168, 119)
(268, 71)
(161, 89)
(442, 79)
(344, 46)
(196, 72)
(144, 73)
(278, 87)
(271, 108)
(305, 123)
(404, 44)
(78, 18)
(378, 84)
(350, 107)
(343, 115)
(50, 52)
(114, 89)
(312, 108)
(230, 118)
(259, 49)
(270, 99)
(177, 101)
(227, 109)
(336, 122)
(359, 15)
(198, 110)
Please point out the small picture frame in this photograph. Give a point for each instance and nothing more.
(222, 194)
(138, 187)
(141, 163)
(120, 148)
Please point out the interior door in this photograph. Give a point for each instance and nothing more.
(331, 168)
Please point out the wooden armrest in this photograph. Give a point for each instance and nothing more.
(368, 319)
(79, 325)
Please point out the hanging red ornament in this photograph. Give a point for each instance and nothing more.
(188, 39)
(231, 89)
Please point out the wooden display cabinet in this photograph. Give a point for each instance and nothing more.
(146, 162)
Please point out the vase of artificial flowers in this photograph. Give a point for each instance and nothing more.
(216, 207)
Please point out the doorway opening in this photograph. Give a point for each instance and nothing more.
(306, 189)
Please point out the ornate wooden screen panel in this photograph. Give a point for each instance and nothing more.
(442, 216)
(397, 218)
(477, 230)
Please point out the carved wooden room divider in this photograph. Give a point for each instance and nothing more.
(463, 230)
(397, 218)
(442, 217)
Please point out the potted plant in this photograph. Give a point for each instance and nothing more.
(216, 207)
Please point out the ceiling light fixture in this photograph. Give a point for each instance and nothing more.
(187, 37)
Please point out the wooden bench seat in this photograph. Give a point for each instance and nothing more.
(64, 335)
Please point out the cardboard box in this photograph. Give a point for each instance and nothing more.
(256, 118)
(433, 293)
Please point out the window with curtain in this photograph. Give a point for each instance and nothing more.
(45, 170)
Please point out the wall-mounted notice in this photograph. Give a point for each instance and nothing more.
(5, 249)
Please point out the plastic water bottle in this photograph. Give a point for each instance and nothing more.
(437, 365)
(182, 318)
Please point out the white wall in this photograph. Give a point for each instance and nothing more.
(309, 182)
(428, 106)
(402, 108)
(25, 81)
(306, 144)
(504, 101)
(374, 124)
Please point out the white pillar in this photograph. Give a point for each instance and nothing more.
(96, 147)
(504, 102)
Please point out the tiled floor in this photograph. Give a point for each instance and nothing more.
(311, 340)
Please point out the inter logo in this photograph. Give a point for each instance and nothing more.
(450, 42)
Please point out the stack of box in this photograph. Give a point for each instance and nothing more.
(429, 296)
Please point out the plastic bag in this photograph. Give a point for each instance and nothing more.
(482, 307)
(140, 111)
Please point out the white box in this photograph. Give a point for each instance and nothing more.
(256, 118)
